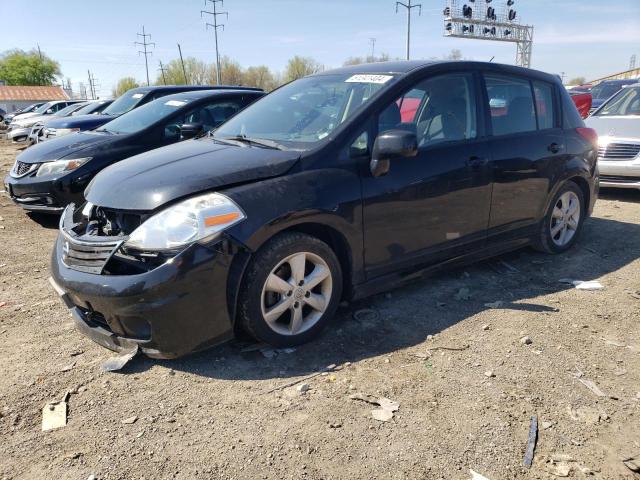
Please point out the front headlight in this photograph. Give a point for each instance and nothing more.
(60, 166)
(65, 131)
(197, 218)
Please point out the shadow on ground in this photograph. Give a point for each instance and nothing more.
(406, 316)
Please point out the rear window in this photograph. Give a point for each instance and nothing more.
(544, 104)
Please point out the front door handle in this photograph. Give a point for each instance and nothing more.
(555, 147)
(477, 162)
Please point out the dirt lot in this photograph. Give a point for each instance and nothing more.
(209, 416)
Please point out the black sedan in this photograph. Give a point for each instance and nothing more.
(49, 175)
(335, 186)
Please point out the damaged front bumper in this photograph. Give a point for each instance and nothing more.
(175, 309)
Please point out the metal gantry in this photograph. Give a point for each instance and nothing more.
(215, 25)
(488, 20)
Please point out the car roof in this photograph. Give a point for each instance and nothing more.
(189, 88)
(195, 95)
(404, 67)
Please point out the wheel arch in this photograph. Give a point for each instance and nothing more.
(330, 235)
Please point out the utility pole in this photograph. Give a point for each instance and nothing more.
(184, 70)
(145, 52)
(162, 69)
(372, 41)
(91, 85)
(632, 62)
(215, 25)
(408, 6)
(39, 52)
(562, 75)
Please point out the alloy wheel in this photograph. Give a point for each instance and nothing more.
(565, 218)
(296, 293)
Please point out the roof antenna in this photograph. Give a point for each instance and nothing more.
(492, 59)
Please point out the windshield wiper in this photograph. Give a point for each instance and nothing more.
(263, 142)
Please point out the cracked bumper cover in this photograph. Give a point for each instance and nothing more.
(175, 309)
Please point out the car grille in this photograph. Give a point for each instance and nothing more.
(619, 179)
(20, 169)
(90, 257)
(619, 151)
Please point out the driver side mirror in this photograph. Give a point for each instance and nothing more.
(392, 145)
(190, 130)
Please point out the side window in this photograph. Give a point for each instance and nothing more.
(544, 104)
(439, 109)
(360, 146)
(511, 104)
(213, 115)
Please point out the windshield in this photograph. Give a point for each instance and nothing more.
(144, 116)
(67, 110)
(605, 90)
(626, 102)
(123, 104)
(302, 113)
(90, 108)
(43, 108)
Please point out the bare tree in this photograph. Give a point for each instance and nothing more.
(299, 67)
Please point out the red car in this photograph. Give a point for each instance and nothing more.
(583, 102)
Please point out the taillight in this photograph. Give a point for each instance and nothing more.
(590, 135)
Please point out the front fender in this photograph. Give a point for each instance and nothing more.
(328, 199)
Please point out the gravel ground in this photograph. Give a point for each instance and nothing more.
(466, 382)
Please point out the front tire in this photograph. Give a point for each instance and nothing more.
(290, 290)
(563, 221)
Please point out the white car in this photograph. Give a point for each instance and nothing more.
(20, 126)
(618, 125)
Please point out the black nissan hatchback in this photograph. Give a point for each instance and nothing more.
(335, 186)
(52, 174)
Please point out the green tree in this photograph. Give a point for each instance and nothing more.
(231, 72)
(197, 72)
(260, 77)
(384, 57)
(299, 67)
(577, 81)
(18, 67)
(124, 84)
(454, 54)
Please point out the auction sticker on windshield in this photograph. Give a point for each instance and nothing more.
(364, 78)
(136, 95)
(175, 103)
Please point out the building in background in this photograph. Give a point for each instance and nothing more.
(14, 97)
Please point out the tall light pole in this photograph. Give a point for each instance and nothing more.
(215, 25)
(372, 41)
(408, 6)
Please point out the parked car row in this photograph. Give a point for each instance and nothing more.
(335, 186)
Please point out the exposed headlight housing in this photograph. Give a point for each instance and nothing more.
(60, 166)
(198, 218)
(64, 131)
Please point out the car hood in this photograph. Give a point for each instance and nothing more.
(22, 116)
(30, 121)
(151, 179)
(615, 126)
(56, 148)
(83, 122)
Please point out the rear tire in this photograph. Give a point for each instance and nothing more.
(290, 290)
(563, 221)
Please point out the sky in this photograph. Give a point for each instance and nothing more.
(577, 37)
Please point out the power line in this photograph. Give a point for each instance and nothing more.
(408, 6)
(145, 52)
(215, 26)
(163, 69)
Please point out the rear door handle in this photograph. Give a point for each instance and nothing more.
(555, 147)
(477, 162)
